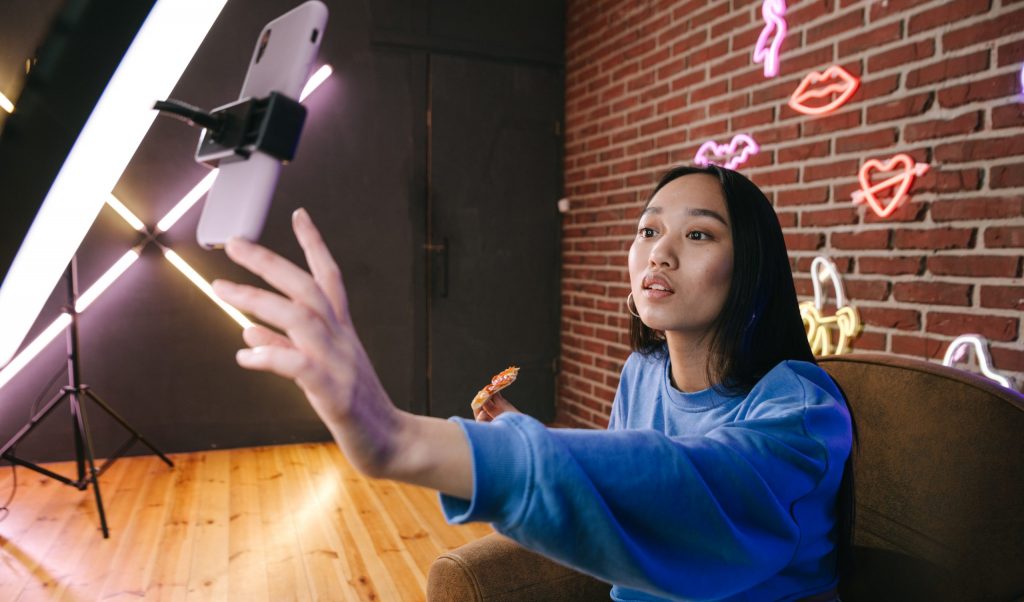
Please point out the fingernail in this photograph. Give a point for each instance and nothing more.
(300, 213)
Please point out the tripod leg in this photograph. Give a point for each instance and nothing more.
(82, 431)
(110, 411)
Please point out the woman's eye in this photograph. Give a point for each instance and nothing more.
(645, 232)
(698, 235)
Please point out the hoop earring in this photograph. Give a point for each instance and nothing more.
(631, 308)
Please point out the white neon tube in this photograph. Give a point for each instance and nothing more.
(159, 54)
(5, 103)
(81, 304)
(204, 286)
(186, 202)
(125, 213)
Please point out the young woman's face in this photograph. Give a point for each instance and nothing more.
(680, 264)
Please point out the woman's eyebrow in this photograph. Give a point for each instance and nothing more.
(707, 213)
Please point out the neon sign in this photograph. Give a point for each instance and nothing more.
(735, 153)
(838, 82)
(845, 322)
(899, 183)
(958, 348)
(52, 331)
(773, 12)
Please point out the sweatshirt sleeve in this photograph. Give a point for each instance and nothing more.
(701, 517)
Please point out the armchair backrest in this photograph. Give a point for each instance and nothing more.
(939, 481)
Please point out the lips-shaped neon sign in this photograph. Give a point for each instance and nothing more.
(767, 52)
(958, 348)
(899, 183)
(734, 153)
(839, 86)
(845, 322)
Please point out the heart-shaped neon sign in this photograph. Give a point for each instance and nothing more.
(845, 322)
(738, 150)
(900, 183)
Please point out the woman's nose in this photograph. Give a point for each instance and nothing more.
(664, 254)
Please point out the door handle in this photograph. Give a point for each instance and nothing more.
(443, 250)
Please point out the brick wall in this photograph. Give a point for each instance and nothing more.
(647, 82)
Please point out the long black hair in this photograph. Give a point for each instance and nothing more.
(759, 324)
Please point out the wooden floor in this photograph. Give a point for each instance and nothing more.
(277, 523)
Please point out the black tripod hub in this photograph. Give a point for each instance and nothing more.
(75, 393)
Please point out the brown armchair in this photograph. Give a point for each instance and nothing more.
(939, 476)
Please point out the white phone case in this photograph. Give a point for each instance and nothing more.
(240, 197)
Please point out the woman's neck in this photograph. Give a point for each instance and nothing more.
(688, 356)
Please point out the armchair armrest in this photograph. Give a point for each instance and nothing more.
(496, 569)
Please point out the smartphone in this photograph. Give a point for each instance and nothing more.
(238, 202)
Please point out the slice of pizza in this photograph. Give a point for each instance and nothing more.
(500, 381)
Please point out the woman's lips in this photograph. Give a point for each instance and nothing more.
(653, 293)
(836, 81)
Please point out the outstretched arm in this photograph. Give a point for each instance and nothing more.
(316, 345)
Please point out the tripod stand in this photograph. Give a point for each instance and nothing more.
(75, 393)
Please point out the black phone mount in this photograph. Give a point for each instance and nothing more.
(270, 125)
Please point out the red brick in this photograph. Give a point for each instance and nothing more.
(994, 328)
(805, 150)
(934, 239)
(710, 130)
(943, 128)
(948, 180)
(778, 134)
(1007, 176)
(998, 86)
(1005, 297)
(902, 56)
(1011, 115)
(801, 196)
(892, 266)
(774, 178)
(907, 212)
(948, 69)
(878, 88)
(1005, 360)
(869, 341)
(977, 209)
(747, 120)
(773, 92)
(851, 21)
(804, 242)
(945, 13)
(833, 123)
(901, 108)
(867, 290)
(708, 53)
(1010, 53)
(1001, 237)
(863, 40)
(808, 12)
(980, 266)
(844, 265)
(865, 239)
(882, 138)
(787, 219)
(881, 10)
(977, 149)
(799, 64)
(709, 91)
(1003, 25)
(887, 317)
(837, 169)
(829, 217)
(933, 293)
(918, 347)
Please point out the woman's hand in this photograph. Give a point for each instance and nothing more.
(317, 345)
(493, 407)
(318, 348)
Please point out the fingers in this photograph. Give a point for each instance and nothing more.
(258, 336)
(322, 265)
(281, 274)
(304, 328)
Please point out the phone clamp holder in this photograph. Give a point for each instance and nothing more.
(270, 125)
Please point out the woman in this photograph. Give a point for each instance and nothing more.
(718, 476)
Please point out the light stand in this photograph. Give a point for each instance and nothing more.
(75, 393)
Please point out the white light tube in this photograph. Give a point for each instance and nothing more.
(160, 52)
(125, 213)
(5, 103)
(204, 286)
(85, 299)
(186, 202)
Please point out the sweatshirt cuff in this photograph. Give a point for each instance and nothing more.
(501, 472)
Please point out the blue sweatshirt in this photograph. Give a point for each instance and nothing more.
(687, 496)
